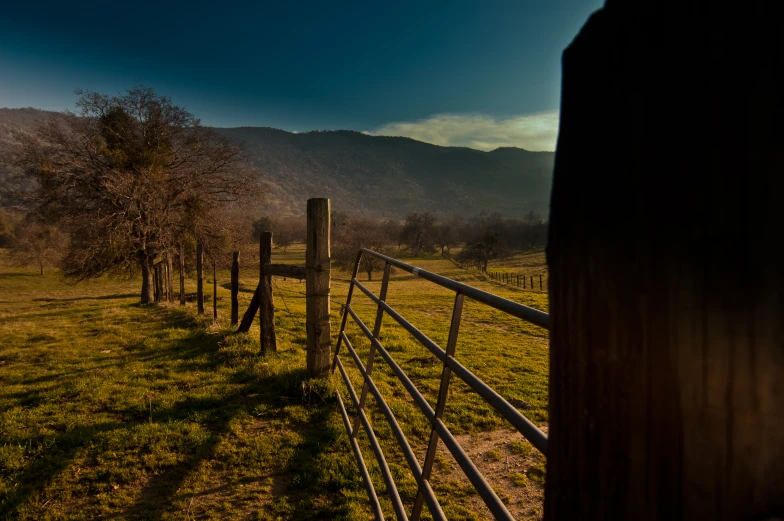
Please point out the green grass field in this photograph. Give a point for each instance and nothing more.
(114, 410)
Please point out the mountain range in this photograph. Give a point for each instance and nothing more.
(374, 176)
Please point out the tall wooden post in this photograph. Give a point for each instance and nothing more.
(155, 277)
(235, 287)
(169, 282)
(267, 337)
(317, 286)
(200, 278)
(214, 291)
(665, 381)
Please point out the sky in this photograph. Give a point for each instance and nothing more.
(462, 73)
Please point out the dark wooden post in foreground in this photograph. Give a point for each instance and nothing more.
(214, 291)
(200, 278)
(266, 305)
(317, 286)
(182, 275)
(235, 287)
(666, 394)
(169, 282)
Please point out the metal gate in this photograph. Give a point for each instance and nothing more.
(422, 472)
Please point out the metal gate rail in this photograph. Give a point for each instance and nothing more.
(422, 473)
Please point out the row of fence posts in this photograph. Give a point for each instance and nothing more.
(512, 279)
(316, 273)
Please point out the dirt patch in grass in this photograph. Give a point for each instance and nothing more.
(512, 466)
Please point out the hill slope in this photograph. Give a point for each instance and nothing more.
(373, 175)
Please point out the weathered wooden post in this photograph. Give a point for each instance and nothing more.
(182, 275)
(200, 279)
(267, 337)
(541, 287)
(532, 282)
(665, 381)
(214, 291)
(317, 286)
(169, 282)
(235, 287)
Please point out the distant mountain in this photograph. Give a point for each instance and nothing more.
(374, 175)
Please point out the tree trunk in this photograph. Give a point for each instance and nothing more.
(182, 275)
(147, 284)
(665, 375)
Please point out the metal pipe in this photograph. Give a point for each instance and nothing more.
(532, 315)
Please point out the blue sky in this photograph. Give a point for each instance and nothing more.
(482, 74)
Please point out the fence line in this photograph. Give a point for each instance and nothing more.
(425, 494)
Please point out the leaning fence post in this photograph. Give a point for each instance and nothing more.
(317, 286)
(200, 278)
(182, 275)
(235, 287)
(214, 292)
(267, 338)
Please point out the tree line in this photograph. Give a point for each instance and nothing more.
(483, 238)
(127, 179)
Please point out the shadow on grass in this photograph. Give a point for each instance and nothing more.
(74, 299)
(199, 351)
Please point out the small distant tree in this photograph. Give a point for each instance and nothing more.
(130, 177)
(486, 248)
(39, 243)
(360, 233)
(444, 236)
(263, 224)
(393, 230)
(418, 231)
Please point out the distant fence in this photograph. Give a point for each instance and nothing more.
(519, 280)
(422, 473)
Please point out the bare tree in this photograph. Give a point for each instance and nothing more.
(393, 229)
(418, 231)
(38, 242)
(360, 233)
(129, 176)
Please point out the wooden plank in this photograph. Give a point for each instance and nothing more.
(250, 313)
(285, 270)
(317, 286)
(267, 338)
(235, 287)
(200, 278)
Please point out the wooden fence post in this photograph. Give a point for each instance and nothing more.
(214, 291)
(317, 286)
(169, 282)
(540, 282)
(235, 287)
(182, 275)
(267, 338)
(524, 287)
(532, 282)
(200, 278)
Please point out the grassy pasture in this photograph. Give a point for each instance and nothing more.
(114, 410)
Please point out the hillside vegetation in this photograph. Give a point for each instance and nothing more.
(373, 176)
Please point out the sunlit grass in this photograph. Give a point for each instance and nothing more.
(111, 409)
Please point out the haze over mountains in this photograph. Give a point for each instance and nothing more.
(374, 176)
